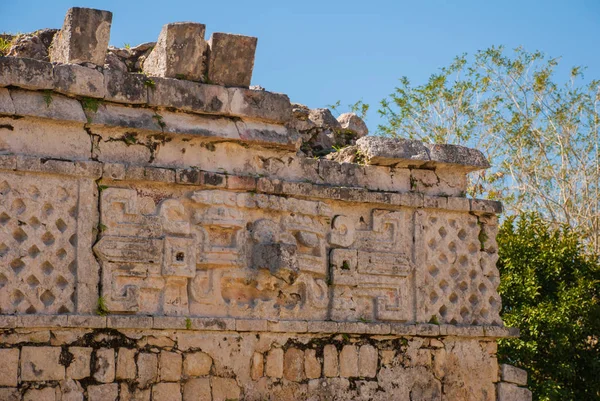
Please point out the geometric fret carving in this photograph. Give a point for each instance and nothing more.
(457, 280)
(39, 241)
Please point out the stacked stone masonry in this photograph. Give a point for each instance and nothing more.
(169, 233)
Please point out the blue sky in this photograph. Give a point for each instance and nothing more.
(321, 51)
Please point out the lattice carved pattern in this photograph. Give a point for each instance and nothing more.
(458, 278)
(37, 244)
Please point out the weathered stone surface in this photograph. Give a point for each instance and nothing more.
(197, 364)
(512, 374)
(26, 73)
(74, 79)
(81, 363)
(274, 367)
(189, 96)
(9, 367)
(147, 368)
(10, 394)
(103, 392)
(49, 105)
(33, 45)
(330, 361)
(83, 38)
(224, 389)
(126, 393)
(71, 390)
(170, 366)
(104, 368)
(510, 392)
(126, 367)
(293, 365)
(324, 119)
(261, 105)
(166, 392)
(312, 365)
(197, 390)
(349, 361)
(352, 122)
(6, 103)
(406, 152)
(123, 87)
(180, 52)
(367, 361)
(257, 367)
(231, 59)
(44, 394)
(41, 363)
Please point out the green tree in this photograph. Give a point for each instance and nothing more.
(540, 134)
(550, 288)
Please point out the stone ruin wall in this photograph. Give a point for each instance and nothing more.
(167, 233)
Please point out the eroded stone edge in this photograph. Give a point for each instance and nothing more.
(252, 325)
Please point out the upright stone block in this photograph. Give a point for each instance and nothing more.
(83, 38)
(9, 367)
(231, 59)
(41, 363)
(179, 53)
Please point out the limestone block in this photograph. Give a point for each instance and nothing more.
(26, 73)
(126, 368)
(293, 365)
(50, 139)
(53, 106)
(170, 366)
(71, 390)
(231, 59)
(10, 394)
(83, 38)
(261, 105)
(133, 394)
(330, 361)
(352, 122)
(80, 365)
(349, 361)
(189, 96)
(197, 390)
(257, 366)
(74, 79)
(512, 374)
(104, 368)
(275, 363)
(9, 367)
(312, 365)
(404, 152)
(367, 361)
(103, 392)
(197, 364)
(41, 363)
(44, 394)
(147, 368)
(6, 103)
(166, 392)
(123, 87)
(324, 119)
(224, 389)
(511, 392)
(180, 52)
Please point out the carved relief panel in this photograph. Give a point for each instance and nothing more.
(214, 253)
(372, 276)
(457, 281)
(46, 227)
